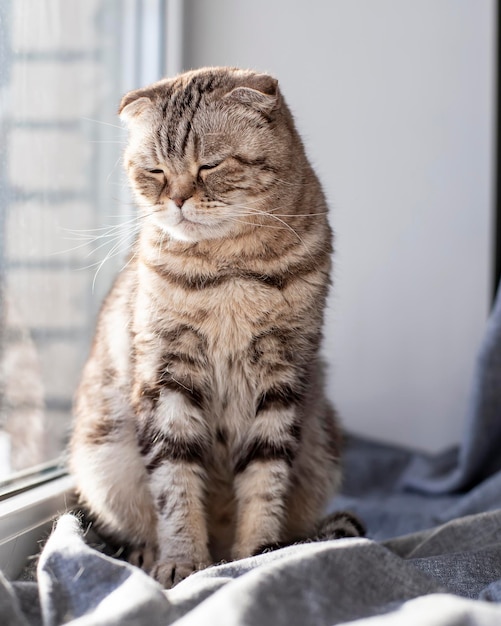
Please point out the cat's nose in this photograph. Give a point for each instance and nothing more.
(178, 201)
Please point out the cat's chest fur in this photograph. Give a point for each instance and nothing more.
(228, 306)
(219, 322)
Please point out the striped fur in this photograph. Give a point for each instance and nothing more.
(202, 431)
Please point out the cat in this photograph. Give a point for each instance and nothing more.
(202, 432)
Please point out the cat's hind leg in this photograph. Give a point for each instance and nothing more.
(110, 477)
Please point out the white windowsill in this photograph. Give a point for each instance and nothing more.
(26, 518)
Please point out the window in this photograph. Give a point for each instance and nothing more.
(64, 65)
(64, 215)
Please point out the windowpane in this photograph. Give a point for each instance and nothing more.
(60, 178)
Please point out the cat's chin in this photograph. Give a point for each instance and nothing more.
(187, 225)
(187, 231)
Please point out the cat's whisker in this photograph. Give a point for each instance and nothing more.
(86, 242)
(225, 213)
(89, 119)
(90, 266)
(111, 253)
(121, 185)
(90, 237)
(96, 264)
(116, 216)
(140, 205)
(253, 212)
(250, 202)
(87, 232)
(107, 258)
(132, 257)
(113, 169)
(68, 250)
(89, 240)
(125, 237)
(160, 245)
(256, 224)
(278, 217)
(107, 229)
(300, 214)
(267, 214)
(107, 235)
(297, 184)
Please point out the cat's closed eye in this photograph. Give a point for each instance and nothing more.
(156, 171)
(209, 166)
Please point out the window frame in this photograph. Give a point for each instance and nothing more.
(27, 518)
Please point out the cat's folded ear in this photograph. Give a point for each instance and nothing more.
(259, 92)
(136, 105)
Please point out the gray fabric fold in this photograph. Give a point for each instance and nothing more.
(323, 583)
(478, 457)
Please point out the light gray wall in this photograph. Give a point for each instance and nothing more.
(394, 99)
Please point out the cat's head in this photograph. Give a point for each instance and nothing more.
(207, 150)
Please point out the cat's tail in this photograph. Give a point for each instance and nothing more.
(338, 525)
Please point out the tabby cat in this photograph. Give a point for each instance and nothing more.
(202, 430)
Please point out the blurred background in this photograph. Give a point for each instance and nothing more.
(396, 103)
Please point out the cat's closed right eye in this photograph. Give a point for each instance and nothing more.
(209, 166)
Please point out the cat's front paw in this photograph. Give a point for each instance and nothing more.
(169, 573)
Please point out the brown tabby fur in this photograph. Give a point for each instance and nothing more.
(202, 430)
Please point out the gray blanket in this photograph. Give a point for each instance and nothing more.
(432, 555)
